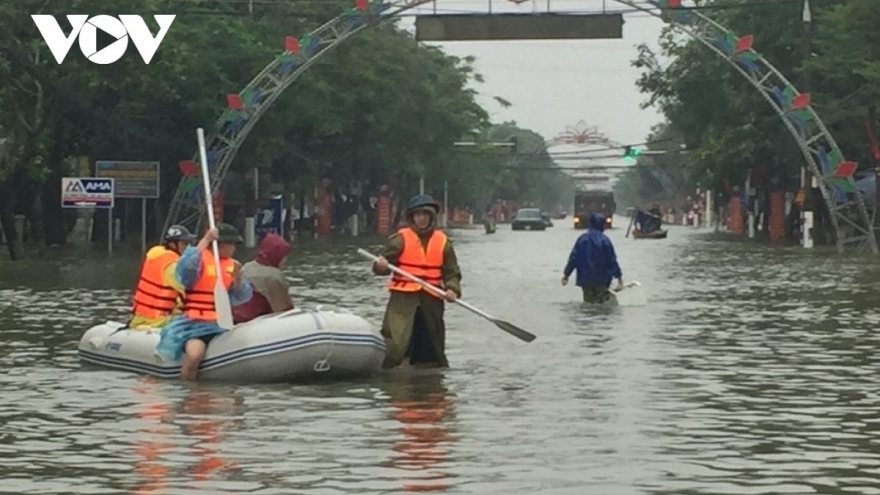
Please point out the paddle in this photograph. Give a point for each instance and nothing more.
(631, 220)
(221, 298)
(503, 325)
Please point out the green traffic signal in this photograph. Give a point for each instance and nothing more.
(630, 153)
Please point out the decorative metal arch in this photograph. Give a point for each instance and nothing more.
(823, 156)
(581, 134)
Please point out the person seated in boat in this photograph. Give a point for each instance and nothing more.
(647, 223)
(413, 327)
(157, 296)
(187, 336)
(271, 289)
(594, 259)
(657, 215)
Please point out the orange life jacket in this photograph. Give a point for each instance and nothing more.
(198, 302)
(427, 264)
(153, 297)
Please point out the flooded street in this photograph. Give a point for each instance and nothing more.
(751, 370)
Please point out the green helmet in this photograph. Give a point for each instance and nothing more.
(422, 201)
(228, 233)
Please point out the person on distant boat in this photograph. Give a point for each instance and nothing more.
(187, 336)
(594, 259)
(414, 330)
(157, 296)
(271, 289)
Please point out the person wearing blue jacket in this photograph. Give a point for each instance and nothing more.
(595, 261)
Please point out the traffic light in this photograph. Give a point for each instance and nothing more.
(631, 153)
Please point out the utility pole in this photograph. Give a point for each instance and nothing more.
(445, 219)
(808, 182)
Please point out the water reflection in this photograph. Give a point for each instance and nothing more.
(424, 408)
(153, 438)
(201, 418)
(751, 370)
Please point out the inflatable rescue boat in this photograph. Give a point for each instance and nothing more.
(297, 345)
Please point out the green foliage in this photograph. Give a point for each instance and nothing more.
(379, 109)
(728, 126)
(526, 174)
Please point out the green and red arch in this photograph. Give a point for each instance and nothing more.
(822, 155)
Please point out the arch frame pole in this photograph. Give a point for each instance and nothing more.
(816, 144)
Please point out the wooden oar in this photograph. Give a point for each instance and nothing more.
(503, 325)
(222, 306)
(631, 220)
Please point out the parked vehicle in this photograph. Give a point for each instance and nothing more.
(528, 219)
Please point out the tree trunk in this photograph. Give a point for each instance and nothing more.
(7, 219)
(35, 221)
(53, 218)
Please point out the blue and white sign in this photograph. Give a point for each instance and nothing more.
(269, 218)
(87, 192)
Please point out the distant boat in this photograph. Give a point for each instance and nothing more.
(657, 234)
(647, 226)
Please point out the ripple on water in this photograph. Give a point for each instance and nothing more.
(751, 371)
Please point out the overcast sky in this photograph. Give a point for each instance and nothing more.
(554, 84)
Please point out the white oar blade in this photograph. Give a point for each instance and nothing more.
(223, 307)
(632, 294)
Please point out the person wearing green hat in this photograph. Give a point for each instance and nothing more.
(414, 330)
(187, 336)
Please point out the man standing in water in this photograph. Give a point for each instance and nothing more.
(414, 330)
(595, 261)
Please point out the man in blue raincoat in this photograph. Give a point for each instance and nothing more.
(595, 261)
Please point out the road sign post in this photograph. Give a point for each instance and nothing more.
(90, 192)
(134, 180)
(269, 218)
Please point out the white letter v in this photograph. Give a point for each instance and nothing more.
(139, 33)
(51, 31)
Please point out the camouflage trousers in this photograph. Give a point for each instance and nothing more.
(595, 294)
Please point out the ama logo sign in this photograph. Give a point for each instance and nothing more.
(86, 28)
(97, 185)
(89, 186)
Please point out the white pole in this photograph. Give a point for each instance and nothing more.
(807, 229)
(250, 232)
(110, 231)
(143, 225)
(422, 185)
(709, 208)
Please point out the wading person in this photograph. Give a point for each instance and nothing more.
(271, 289)
(414, 330)
(595, 261)
(187, 336)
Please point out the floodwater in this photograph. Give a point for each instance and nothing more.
(751, 370)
